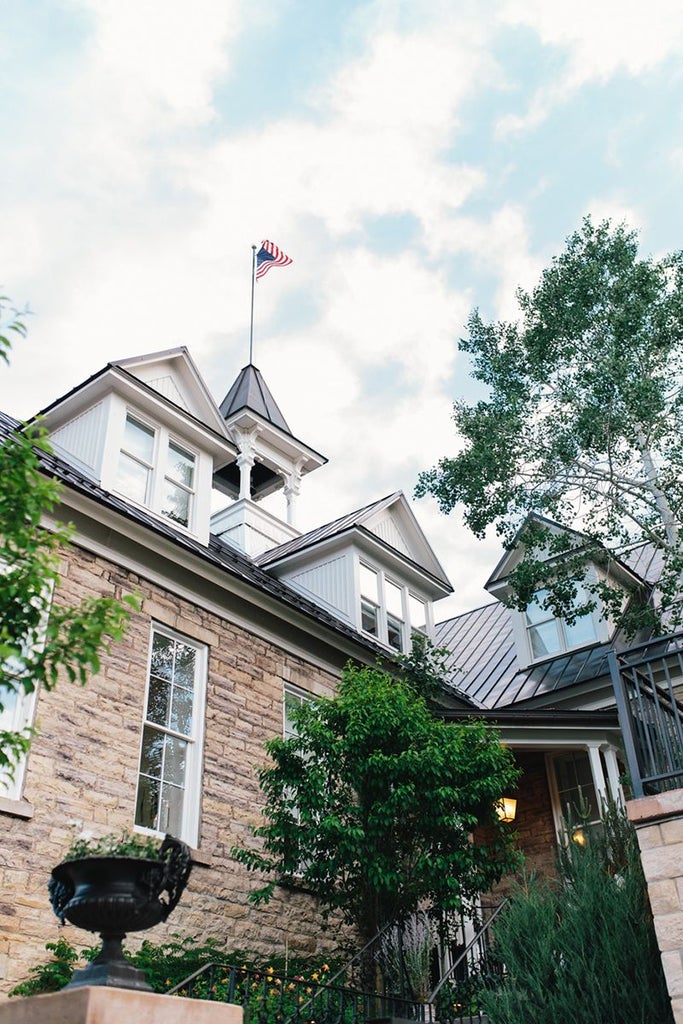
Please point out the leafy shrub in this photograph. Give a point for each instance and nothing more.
(50, 976)
(585, 946)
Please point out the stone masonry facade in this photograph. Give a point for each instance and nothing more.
(659, 826)
(82, 773)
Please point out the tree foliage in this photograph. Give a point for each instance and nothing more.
(39, 640)
(372, 806)
(583, 422)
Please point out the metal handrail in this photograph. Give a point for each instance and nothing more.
(483, 931)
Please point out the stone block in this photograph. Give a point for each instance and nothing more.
(669, 928)
(664, 898)
(672, 831)
(103, 1005)
(672, 962)
(660, 863)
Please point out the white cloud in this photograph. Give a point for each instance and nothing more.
(595, 40)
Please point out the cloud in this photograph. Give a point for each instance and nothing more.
(595, 40)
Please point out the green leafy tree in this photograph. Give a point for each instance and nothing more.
(583, 422)
(373, 805)
(39, 640)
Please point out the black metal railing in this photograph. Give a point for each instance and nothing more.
(380, 981)
(456, 997)
(648, 686)
(268, 998)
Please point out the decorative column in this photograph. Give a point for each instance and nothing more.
(292, 487)
(246, 440)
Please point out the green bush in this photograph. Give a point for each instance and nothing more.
(583, 948)
(52, 975)
(167, 964)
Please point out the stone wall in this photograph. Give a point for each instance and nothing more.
(83, 769)
(659, 826)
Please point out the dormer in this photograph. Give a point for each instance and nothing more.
(148, 430)
(539, 633)
(374, 569)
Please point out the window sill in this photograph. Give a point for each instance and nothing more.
(201, 859)
(16, 808)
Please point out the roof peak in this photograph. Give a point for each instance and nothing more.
(250, 391)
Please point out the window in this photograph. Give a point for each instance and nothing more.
(15, 715)
(369, 600)
(291, 699)
(168, 793)
(551, 635)
(577, 802)
(388, 611)
(394, 597)
(169, 489)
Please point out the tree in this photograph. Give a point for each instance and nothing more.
(372, 806)
(582, 424)
(39, 640)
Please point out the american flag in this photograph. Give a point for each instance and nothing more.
(269, 256)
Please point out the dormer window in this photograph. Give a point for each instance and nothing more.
(548, 634)
(156, 471)
(388, 610)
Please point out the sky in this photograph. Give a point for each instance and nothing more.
(416, 160)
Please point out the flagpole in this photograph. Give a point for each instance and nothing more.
(251, 324)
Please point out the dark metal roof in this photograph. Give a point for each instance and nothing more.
(250, 391)
(324, 532)
(483, 663)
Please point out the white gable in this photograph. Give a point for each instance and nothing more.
(388, 529)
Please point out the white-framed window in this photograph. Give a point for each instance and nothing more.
(389, 611)
(15, 716)
(156, 470)
(547, 634)
(168, 794)
(292, 697)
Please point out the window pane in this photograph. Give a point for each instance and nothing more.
(545, 639)
(185, 661)
(132, 479)
(581, 632)
(369, 584)
(138, 440)
(394, 600)
(147, 802)
(534, 612)
(291, 701)
(368, 618)
(163, 650)
(151, 757)
(395, 632)
(174, 761)
(418, 613)
(180, 464)
(157, 701)
(181, 710)
(575, 786)
(176, 503)
(171, 810)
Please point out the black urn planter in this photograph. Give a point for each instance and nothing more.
(115, 895)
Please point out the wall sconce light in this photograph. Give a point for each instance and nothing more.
(579, 836)
(506, 808)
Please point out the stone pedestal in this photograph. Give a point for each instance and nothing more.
(659, 825)
(100, 1005)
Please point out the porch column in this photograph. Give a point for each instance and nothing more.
(597, 772)
(612, 765)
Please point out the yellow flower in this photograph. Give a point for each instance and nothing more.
(325, 967)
